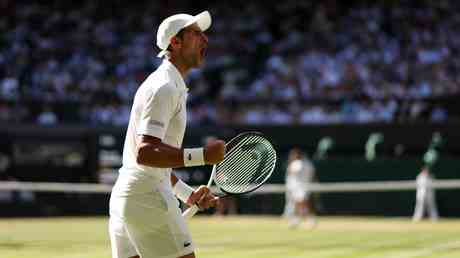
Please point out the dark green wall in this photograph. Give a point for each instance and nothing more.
(345, 163)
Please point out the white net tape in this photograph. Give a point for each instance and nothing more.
(376, 186)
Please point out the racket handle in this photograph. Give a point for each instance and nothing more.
(190, 212)
(194, 209)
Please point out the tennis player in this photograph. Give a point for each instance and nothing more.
(145, 219)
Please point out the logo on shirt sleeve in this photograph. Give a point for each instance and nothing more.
(156, 123)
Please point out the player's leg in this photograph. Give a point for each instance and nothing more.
(192, 255)
(298, 198)
(310, 212)
(289, 205)
(119, 240)
(302, 209)
(290, 208)
(432, 208)
(296, 218)
(156, 227)
(122, 246)
(418, 211)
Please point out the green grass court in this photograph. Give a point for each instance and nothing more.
(245, 237)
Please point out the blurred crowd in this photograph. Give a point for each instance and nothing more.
(295, 62)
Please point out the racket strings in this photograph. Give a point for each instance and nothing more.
(247, 179)
(247, 165)
(244, 184)
(248, 169)
(236, 157)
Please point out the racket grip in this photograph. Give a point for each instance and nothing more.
(190, 212)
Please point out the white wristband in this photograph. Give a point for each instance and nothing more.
(182, 191)
(194, 157)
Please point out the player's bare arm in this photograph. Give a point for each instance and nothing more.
(153, 152)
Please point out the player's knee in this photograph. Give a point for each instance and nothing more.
(192, 255)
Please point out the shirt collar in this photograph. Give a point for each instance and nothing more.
(177, 76)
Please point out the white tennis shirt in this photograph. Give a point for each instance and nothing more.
(159, 110)
(300, 174)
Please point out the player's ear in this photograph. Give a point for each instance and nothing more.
(176, 42)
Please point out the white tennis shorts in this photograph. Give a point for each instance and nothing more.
(148, 224)
(298, 194)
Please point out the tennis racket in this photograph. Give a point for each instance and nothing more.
(248, 162)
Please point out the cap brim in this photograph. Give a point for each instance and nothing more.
(203, 20)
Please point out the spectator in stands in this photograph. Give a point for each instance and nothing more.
(47, 117)
(349, 56)
(438, 114)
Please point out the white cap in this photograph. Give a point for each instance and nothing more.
(170, 26)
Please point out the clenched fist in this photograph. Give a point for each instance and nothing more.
(214, 152)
